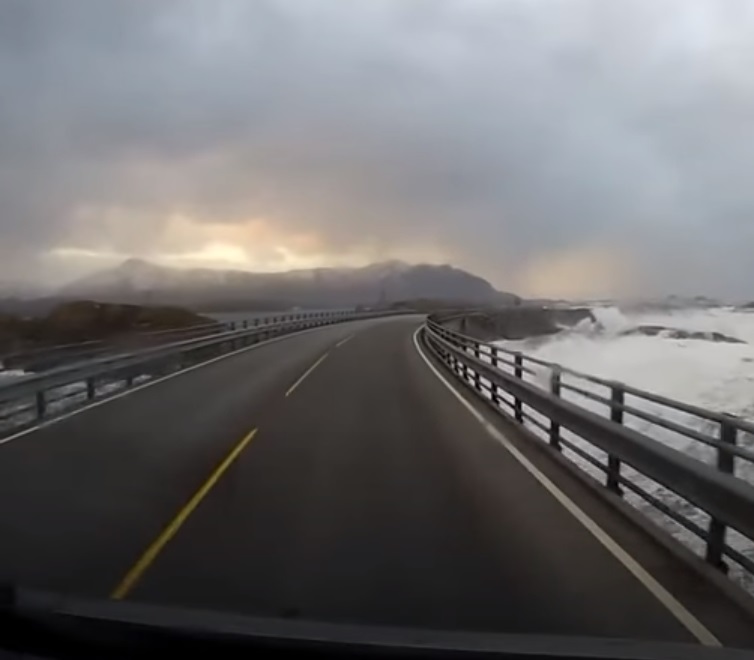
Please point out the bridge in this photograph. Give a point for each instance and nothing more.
(373, 469)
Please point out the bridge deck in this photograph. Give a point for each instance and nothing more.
(369, 494)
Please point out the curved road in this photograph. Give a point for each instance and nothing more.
(330, 475)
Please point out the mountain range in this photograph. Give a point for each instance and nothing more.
(141, 282)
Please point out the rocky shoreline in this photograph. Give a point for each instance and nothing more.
(519, 322)
(531, 321)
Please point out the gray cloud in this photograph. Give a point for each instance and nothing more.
(509, 134)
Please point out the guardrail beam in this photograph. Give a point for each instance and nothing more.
(715, 490)
(153, 360)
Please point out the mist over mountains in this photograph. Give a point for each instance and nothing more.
(141, 282)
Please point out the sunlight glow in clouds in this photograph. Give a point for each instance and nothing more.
(581, 146)
(255, 244)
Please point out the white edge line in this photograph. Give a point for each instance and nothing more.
(671, 603)
(306, 373)
(156, 381)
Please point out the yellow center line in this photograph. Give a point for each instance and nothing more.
(306, 373)
(343, 341)
(147, 559)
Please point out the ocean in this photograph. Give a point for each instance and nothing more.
(714, 375)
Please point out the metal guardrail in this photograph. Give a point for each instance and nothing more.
(45, 357)
(36, 391)
(545, 397)
(32, 357)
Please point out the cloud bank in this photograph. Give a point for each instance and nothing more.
(561, 147)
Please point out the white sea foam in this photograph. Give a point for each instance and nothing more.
(717, 376)
(714, 375)
(10, 374)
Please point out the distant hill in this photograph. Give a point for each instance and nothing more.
(140, 282)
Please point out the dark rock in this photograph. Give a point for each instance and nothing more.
(519, 322)
(676, 333)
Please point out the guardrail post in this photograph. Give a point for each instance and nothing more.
(518, 361)
(90, 390)
(466, 372)
(477, 377)
(717, 529)
(554, 426)
(245, 324)
(495, 363)
(617, 398)
(41, 404)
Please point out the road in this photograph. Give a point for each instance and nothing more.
(330, 476)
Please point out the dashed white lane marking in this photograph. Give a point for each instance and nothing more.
(344, 341)
(306, 373)
(150, 383)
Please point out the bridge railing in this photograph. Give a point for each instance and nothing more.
(672, 460)
(36, 397)
(44, 357)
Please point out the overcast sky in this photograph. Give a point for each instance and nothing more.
(556, 147)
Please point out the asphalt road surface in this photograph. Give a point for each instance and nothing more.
(331, 476)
